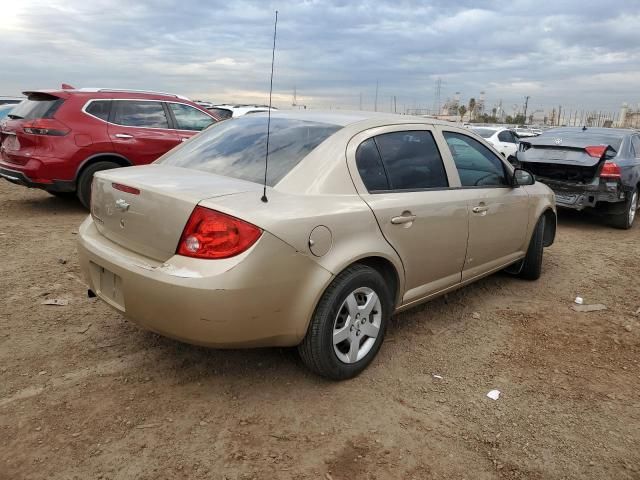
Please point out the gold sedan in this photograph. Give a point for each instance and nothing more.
(364, 215)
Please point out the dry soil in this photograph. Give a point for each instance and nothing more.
(84, 394)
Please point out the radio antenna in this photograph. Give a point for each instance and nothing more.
(266, 156)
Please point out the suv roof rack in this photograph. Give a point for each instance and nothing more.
(129, 90)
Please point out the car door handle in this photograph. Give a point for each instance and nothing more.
(402, 219)
(123, 135)
(480, 209)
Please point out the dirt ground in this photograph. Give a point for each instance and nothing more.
(86, 395)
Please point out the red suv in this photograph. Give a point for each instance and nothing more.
(57, 139)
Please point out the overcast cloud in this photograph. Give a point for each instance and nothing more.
(575, 53)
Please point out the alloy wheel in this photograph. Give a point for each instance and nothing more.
(633, 208)
(357, 325)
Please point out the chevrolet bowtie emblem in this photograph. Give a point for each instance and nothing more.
(122, 205)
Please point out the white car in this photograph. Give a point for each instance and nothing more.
(228, 111)
(502, 139)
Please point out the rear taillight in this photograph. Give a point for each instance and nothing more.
(46, 126)
(126, 188)
(610, 170)
(210, 234)
(596, 151)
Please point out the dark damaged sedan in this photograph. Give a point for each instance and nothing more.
(588, 168)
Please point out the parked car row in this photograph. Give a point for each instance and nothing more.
(315, 243)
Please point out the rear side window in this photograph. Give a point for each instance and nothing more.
(136, 113)
(477, 165)
(370, 166)
(37, 106)
(236, 148)
(411, 160)
(189, 118)
(506, 137)
(100, 109)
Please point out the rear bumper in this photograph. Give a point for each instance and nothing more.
(20, 178)
(580, 197)
(263, 297)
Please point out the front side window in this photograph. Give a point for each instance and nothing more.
(189, 118)
(221, 113)
(411, 160)
(236, 148)
(136, 113)
(477, 165)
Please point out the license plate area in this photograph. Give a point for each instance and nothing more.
(108, 286)
(11, 142)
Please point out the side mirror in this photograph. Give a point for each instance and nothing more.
(522, 177)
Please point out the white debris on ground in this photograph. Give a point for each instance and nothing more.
(494, 394)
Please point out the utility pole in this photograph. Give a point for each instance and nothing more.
(559, 112)
(526, 104)
(436, 98)
(375, 104)
(395, 105)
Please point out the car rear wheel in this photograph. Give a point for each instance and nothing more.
(349, 324)
(626, 218)
(532, 264)
(86, 177)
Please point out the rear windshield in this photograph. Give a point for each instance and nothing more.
(36, 107)
(483, 132)
(236, 148)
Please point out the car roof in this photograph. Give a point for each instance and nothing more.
(345, 118)
(107, 93)
(495, 129)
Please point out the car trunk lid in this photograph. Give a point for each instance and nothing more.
(567, 163)
(145, 209)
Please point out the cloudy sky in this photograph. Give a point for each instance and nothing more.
(578, 53)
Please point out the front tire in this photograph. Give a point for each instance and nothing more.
(348, 325)
(532, 264)
(86, 177)
(625, 219)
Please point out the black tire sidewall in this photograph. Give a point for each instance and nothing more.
(327, 310)
(83, 190)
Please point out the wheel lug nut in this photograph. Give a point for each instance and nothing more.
(358, 333)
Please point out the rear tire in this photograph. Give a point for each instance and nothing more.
(532, 265)
(340, 341)
(86, 177)
(625, 219)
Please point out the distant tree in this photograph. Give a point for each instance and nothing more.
(494, 111)
(508, 119)
(472, 108)
(462, 110)
(531, 118)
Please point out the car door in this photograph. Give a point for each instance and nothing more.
(140, 130)
(400, 174)
(188, 120)
(498, 212)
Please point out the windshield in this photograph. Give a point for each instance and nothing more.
(236, 148)
(484, 132)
